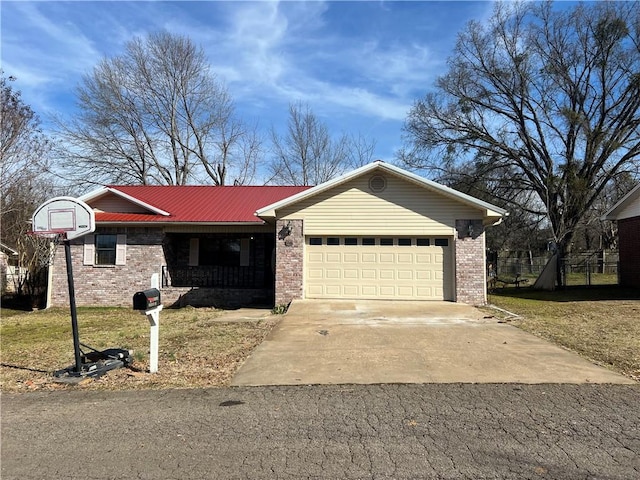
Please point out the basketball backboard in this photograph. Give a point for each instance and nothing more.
(63, 215)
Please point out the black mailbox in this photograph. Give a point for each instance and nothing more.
(147, 299)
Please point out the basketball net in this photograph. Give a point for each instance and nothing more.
(45, 245)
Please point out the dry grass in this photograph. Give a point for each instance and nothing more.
(198, 347)
(600, 323)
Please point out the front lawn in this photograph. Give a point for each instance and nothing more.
(600, 323)
(198, 348)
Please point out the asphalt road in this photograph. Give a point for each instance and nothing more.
(448, 431)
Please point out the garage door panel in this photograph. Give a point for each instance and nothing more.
(368, 274)
(332, 273)
(405, 275)
(376, 271)
(406, 292)
(405, 258)
(423, 274)
(424, 292)
(386, 258)
(423, 259)
(386, 274)
(369, 291)
(315, 257)
(350, 273)
(333, 257)
(350, 258)
(314, 273)
(315, 290)
(369, 257)
(333, 290)
(387, 291)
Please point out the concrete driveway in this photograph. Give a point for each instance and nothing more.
(367, 342)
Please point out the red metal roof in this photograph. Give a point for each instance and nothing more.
(200, 204)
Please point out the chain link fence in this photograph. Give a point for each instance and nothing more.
(586, 269)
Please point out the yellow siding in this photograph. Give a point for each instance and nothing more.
(402, 208)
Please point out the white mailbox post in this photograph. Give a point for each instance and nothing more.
(148, 302)
(153, 316)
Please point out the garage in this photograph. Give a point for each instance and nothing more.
(380, 232)
(401, 268)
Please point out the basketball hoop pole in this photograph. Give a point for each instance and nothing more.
(72, 307)
(65, 219)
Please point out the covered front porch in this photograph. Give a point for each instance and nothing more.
(219, 268)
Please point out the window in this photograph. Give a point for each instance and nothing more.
(368, 241)
(315, 241)
(106, 249)
(404, 242)
(442, 242)
(351, 241)
(386, 242)
(219, 251)
(422, 242)
(333, 241)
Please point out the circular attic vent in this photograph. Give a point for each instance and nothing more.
(377, 183)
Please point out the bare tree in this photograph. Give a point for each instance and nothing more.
(308, 155)
(23, 147)
(25, 182)
(238, 149)
(548, 99)
(360, 150)
(154, 115)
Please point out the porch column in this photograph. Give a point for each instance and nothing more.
(289, 261)
(471, 281)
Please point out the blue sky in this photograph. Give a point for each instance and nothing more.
(358, 65)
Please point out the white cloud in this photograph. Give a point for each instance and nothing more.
(369, 67)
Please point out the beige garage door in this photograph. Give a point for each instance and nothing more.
(378, 268)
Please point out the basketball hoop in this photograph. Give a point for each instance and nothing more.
(59, 219)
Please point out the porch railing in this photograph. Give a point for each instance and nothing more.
(214, 277)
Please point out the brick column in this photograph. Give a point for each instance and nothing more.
(289, 261)
(471, 286)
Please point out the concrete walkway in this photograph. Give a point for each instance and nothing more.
(369, 342)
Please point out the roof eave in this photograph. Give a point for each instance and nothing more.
(165, 224)
(612, 213)
(270, 211)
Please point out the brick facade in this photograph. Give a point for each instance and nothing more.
(289, 261)
(179, 297)
(470, 272)
(629, 247)
(146, 254)
(109, 285)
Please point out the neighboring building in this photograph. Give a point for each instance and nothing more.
(378, 232)
(627, 215)
(8, 269)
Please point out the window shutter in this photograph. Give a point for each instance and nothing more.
(245, 251)
(121, 250)
(89, 255)
(194, 252)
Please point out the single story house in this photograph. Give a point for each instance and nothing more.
(627, 215)
(377, 232)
